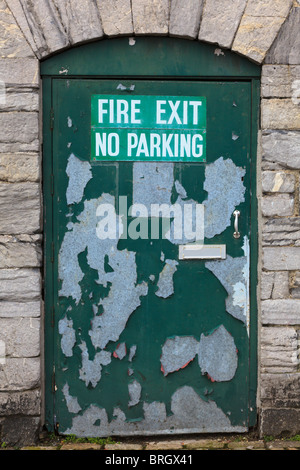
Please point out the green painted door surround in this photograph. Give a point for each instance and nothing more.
(149, 161)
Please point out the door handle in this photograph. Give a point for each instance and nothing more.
(236, 233)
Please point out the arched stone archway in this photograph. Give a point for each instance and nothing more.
(247, 27)
(266, 32)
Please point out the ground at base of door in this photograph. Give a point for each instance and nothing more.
(236, 442)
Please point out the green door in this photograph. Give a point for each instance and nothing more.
(151, 332)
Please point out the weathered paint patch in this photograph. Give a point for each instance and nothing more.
(225, 188)
(132, 352)
(152, 183)
(79, 173)
(80, 236)
(120, 351)
(217, 355)
(125, 88)
(233, 273)
(134, 390)
(189, 414)
(91, 370)
(68, 340)
(180, 190)
(246, 274)
(72, 402)
(165, 282)
(122, 300)
(177, 353)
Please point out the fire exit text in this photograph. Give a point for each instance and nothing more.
(148, 128)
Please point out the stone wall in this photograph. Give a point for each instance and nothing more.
(265, 31)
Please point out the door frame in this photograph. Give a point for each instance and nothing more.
(162, 58)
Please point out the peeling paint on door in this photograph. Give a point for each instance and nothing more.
(152, 183)
(134, 389)
(189, 413)
(233, 273)
(225, 188)
(165, 282)
(65, 328)
(217, 355)
(90, 371)
(177, 353)
(79, 173)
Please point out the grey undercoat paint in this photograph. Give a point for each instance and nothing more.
(189, 414)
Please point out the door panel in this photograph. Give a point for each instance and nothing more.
(145, 342)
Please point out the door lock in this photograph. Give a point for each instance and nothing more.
(236, 233)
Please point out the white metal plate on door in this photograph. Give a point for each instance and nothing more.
(202, 252)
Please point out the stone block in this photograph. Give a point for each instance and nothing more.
(16, 9)
(286, 47)
(19, 127)
(278, 182)
(20, 147)
(16, 72)
(20, 374)
(150, 16)
(20, 207)
(266, 285)
(280, 81)
(13, 42)
(80, 20)
(281, 258)
(274, 422)
(280, 149)
(185, 18)
(274, 285)
(281, 312)
(281, 285)
(277, 205)
(20, 309)
(280, 390)
(220, 21)
(295, 293)
(20, 403)
(20, 285)
(116, 17)
(281, 232)
(18, 431)
(295, 281)
(19, 99)
(269, 8)
(21, 336)
(41, 25)
(14, 254)
(19, 167)
(295, 285)
(279, 350)
(259, 27)
(280, 114)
